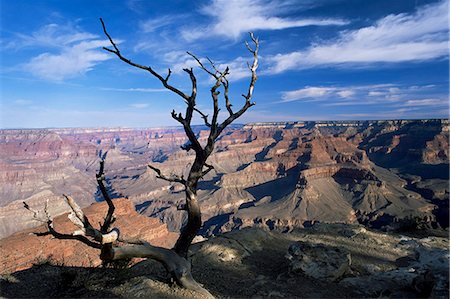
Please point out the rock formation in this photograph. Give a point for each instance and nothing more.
(371, 263)
(277, 175)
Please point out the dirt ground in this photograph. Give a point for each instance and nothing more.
(245, 264)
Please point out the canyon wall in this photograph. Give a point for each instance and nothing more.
(343, 171)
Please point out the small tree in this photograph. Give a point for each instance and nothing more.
(174, 260)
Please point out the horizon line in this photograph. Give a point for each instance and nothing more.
(202, 125)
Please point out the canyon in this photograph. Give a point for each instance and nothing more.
(278, 176)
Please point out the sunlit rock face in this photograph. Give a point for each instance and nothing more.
(23, 249)
(276, 175)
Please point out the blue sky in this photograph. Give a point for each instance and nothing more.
(319, 59)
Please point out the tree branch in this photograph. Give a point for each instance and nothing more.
(225, 94)
(48, 220)
(164, 81)
(204, 116)
(178, 117)
(208, 169)
(193, 81)
(79, 219)
(198, 169)
(109, 219)
(172, 178)
(201, 64)
(248, 96)
(36, 213)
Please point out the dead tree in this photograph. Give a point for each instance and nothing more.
(112, 245)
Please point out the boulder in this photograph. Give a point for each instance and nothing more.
(423, 273)
(318, 261)
(381, 283)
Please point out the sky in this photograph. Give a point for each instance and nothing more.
(319, 60)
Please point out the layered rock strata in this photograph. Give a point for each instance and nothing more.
(367, 171)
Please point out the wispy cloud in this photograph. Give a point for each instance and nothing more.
(231, 18)
(22, 102)
(306, 93)
(391, 114)
(153, 24)
(426, 102)
(69, 52)
(238, 68)
(140, 105)
(135, 89)
(180, 60)
(50, 35)
(324, 92)
(377, 94)
(420, 36)
(72, 61)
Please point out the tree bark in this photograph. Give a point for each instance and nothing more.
(194, 222)
(174, 260)
(178, 267)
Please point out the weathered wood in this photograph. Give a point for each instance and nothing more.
(109, 219)
(174, 260)
(179, 268)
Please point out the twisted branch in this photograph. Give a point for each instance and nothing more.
(100, 176)
(173, 178)
(163, 80)
(48, 220)
(208, 169)
(181, 269)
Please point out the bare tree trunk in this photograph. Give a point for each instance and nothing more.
(194, 222)
(174, 260)
(178, 267)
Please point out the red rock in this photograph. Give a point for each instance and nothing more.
(36, 165)
(21, 250)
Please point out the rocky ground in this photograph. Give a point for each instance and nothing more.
(324, 261)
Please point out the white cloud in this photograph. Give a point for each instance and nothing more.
(179, 60)
(231, 18)
(394, 38)
(346, 93)
(377, 94)
(306, 93)
(426, 102)
(321, 93)
(72, 61)
(373, 93)
(175, 56)
(72, 53)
